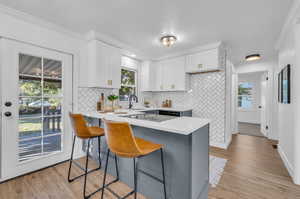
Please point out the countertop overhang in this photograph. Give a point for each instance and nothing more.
(179, 125)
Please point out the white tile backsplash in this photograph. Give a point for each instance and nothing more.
(88, 97)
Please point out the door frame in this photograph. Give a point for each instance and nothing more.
(269, 97)
(48, 158)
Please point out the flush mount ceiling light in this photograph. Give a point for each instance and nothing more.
(168, 40)
(253, 57)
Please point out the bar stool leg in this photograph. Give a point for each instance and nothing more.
(117, 167)
(99, 152)
(135, 177)
(105, 171)
(71, 160)
(163, 172)
(86, 169)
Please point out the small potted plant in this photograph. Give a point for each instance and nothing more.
(147, 104)
(112, 98)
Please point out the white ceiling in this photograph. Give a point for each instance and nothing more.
(246, 26)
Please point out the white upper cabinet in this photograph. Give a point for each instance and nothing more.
(145, 83)
(150, 76)
(104, 66)
(204, 61)
(172, 74)
(166, 75)
(174, 77)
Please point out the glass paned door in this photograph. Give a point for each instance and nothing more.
(37, 83)
(40, 110)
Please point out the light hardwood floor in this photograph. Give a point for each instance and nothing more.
(254, 171)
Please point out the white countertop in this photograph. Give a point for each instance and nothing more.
(179, 125)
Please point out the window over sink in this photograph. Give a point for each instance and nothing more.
(128, 83)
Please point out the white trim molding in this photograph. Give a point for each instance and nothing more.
(38, 21)
(286, 161)
(224, 145)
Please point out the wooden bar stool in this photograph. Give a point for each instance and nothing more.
(81, 130)
(121, 141)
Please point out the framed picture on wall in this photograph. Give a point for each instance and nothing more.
(286, 85)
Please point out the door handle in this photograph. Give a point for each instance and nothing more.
(7, 114)
(7, 104)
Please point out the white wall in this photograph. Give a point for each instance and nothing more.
(251, 115)
(286, 117)
(270, 66)
(296, 90)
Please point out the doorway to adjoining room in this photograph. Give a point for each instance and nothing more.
(252, 100)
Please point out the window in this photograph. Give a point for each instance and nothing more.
(128, 84)
(245, 95)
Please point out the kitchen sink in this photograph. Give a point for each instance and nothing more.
(151, 117)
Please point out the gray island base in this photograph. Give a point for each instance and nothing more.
(186, 164)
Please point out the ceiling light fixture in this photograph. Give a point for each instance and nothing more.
(253, 57)
(168, 40)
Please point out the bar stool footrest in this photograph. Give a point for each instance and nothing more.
(151, 176)
(80, 167)
(119, 197)
(106, 186)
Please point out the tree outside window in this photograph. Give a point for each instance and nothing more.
(128, 84)
(245, 95)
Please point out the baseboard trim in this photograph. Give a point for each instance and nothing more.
(221, 145)
(286, 162)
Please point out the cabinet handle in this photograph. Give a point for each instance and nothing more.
(200, 65)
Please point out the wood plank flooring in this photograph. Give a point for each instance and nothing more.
(250, 129)
(254, 171)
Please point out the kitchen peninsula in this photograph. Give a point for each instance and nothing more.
(186, 147)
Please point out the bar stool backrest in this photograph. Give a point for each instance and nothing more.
(120, 139)
(79, 126)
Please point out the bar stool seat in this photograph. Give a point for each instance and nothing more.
(95, 131)
(147, 147)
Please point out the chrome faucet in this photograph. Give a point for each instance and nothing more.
(131, 98)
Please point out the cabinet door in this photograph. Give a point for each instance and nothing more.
(145, 76)
(114, 66)
(203, 61)
(95, 71)
(166, 75)
(104, 66)
(174, 74)
(178, 74)
(157, 77)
